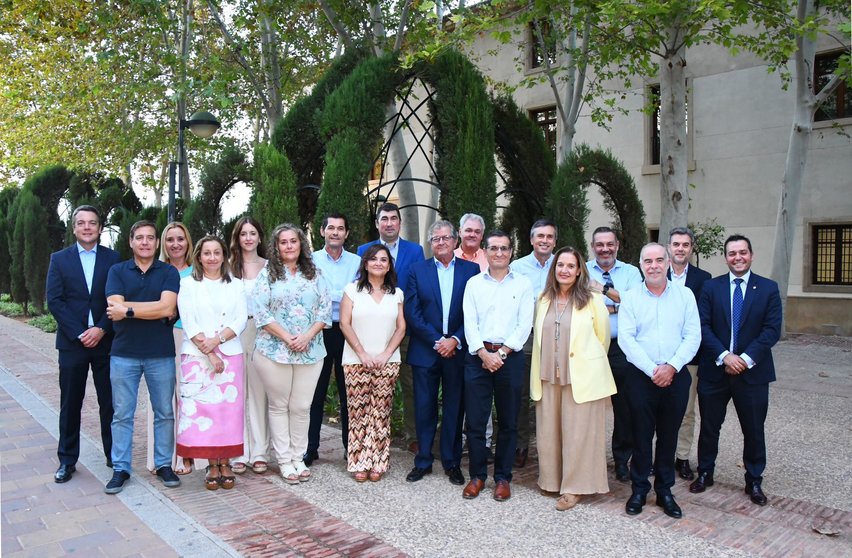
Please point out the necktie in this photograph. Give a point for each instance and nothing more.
(736, 313)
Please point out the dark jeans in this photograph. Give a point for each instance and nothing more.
(333, 339)
(622, 434)
(657, 410)
(448, 375)
(752, 403)
(504, 388)
(73, 373)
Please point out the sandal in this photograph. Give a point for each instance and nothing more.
(187, 466)
(375, 476)
(289, 474)
(360, 476)
(302, 470)
(259, 467)
(211, 483)
(226, 481)
(238, 467)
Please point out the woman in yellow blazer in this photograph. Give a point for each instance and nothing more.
(570, 380)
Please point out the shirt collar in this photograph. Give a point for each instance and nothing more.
(648, 291)
(617, 264)
(685, 270)
(81, 250)
(439, 265)
(390, 245)
(745, 277)
(330, 257)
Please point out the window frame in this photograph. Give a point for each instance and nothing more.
(810, 252)
(532, 112)
(533, 49)
(650, 127)
(840, 94)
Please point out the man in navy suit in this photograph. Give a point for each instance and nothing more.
(404, 253)
(681, 244)
(433, 315)
(75, 296)
(740, 323)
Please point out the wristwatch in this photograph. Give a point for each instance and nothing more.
(221, 339)
(502, 354)
(606, 289)
(130, 313)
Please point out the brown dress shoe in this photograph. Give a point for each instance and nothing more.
(473, 488)
(567, 501)
(521, 456)
(502, 492)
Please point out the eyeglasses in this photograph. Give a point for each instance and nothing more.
(495, 249)
(440, 239)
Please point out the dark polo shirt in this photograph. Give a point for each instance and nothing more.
(135, 338)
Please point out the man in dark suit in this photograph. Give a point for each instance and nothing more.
(404, 253)
(75, 296)
(681, 244)
(740, 323)
(433, 315)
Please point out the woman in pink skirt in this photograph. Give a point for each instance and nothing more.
(212, 308)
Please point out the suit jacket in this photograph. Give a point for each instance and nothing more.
(407, 254)
(695, 279)
(70, 301)
(591, 376)
(424, 310)
(759, 331)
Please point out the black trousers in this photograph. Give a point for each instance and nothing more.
(655, 410)
(752, 403)
(73, 374)
(622, 431)
(333, 339)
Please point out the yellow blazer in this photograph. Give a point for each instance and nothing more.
(591, 377)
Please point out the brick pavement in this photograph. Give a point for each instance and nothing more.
(262, 517)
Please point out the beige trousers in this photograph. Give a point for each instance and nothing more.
(686, 434)
(256, 431)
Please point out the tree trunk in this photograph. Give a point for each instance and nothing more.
(398, 155)
(271, 72)
(185, 40)
(674, 198)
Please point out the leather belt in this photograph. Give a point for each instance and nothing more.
(493, 347)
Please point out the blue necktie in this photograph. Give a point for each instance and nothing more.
(736, 313)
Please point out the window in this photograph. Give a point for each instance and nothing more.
(839, 103)
(832, 255)
(652, 130)
(536, 59)
(546, 120)
(654, 138)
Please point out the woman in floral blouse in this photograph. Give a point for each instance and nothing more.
(291, 307)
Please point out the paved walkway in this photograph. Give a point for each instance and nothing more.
(808, 483)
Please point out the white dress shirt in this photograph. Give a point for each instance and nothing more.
(624, 277)
(743, 289)
(337, 273)
(498, 311)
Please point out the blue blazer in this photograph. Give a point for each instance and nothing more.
(424, 310)
(695, 278)
(759, 331)
(407, 254)
(69, 300)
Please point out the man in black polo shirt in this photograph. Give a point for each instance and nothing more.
(142, 298)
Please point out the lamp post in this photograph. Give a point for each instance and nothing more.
(202, 124)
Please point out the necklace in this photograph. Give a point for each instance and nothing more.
(557, 334)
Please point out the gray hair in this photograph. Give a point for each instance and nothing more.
(682, 230)
(653, 245)
(443, 223)
(467, 216)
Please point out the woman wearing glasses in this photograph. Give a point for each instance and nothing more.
(570, 380)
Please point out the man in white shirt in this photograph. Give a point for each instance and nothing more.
(612, 277)
(498, 315)
(338, 268)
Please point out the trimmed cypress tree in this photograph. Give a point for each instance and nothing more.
(7, 198)
(32, 226)
(273, 199)
(567, 205)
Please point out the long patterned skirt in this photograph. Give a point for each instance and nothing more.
(210, 418)
(369, 396)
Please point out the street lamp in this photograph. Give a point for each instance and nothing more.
(202, 124)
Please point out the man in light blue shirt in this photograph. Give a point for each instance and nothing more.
(660, 333)
(534, 266)
(613, 277)
(338, 268)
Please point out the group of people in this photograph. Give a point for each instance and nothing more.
(238, 343)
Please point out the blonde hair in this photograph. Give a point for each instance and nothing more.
(164, 255)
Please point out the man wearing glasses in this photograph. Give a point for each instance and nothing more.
(613, 278)
(433, 316)
(498, 316)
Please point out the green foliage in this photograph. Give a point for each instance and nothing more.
(204, 216)
(709, 238)
(45, 322)
(32, 227)
(273, 199)
(464, 130)
(344, 184)
(7, 198)
(49, 185)
(528, 167)
(567, 204)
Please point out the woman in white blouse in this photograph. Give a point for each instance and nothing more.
(212, 307)
(372, 321)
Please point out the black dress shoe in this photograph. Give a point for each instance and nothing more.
(455, 474)
(109, 463)
(418, 473)
(634, 504)
(670, 507)
(622, 473)
(683, 469)
(64, 473)
(521, 456)
(754, 492)
(701, 483)
(309, 457)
